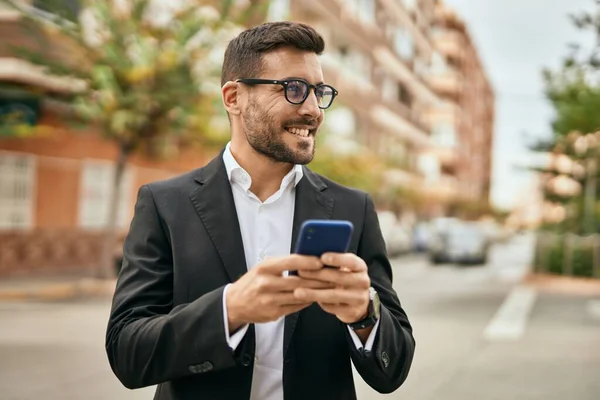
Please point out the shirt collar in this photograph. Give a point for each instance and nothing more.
(237, 174)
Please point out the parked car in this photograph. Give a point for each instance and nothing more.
(462, 243)
(397, 239)
(421, 236)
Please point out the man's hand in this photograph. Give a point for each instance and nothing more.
(263, 294)
(349, 299)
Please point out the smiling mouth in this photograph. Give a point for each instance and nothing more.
(300, 132)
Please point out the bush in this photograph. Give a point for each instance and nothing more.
(579, 261)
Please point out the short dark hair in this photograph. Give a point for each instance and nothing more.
(243, 56)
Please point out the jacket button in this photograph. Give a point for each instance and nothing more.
(207, 366)
(386, 359)
(193, 369)
(246, 359)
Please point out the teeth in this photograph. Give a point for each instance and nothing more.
(299, 132)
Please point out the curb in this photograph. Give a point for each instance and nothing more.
(563, 284)
(61, 291)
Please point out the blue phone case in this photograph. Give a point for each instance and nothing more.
(318, 236)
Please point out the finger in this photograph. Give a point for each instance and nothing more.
(290, 309)
(311, 284)
(358, 280)
(338, 295)
(335, 309)
(348, 261)
(293, 262)
(282, 299)
(289, 283)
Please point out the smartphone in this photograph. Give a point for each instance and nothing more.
(318, 236)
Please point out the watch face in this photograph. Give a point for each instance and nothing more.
(376, 304)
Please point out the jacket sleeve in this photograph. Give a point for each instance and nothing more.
(386, 366)
(148, 341)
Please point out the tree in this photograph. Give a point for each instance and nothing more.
(144, 72)
(574, 89)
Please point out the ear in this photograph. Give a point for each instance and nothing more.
(229, 94)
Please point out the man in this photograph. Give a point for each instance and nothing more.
(204, 307)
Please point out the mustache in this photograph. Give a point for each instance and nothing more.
(307, 122)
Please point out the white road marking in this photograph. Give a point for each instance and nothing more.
(511, 318)
(593, 308)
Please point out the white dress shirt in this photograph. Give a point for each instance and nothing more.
(266, 229)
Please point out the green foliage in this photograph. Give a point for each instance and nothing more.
(576, 100)
(574, 89)
(362, 170)
(146, 72)
(563, 258)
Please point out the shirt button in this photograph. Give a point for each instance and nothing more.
(261, 255)
(261, 209)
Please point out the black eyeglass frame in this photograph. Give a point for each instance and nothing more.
(286, 82)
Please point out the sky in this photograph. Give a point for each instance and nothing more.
(516, 39)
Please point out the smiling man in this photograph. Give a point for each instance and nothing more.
(203, 306)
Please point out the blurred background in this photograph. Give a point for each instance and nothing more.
(473, 124)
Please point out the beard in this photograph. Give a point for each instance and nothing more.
(267, 137)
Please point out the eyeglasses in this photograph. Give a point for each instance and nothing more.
(297, 90)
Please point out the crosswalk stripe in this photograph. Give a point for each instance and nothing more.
(593, 308)
(510, 320)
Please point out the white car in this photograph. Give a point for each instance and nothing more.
(397, 239)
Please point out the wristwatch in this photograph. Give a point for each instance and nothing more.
(373, 312)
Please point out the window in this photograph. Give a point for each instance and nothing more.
(404, 95)
(438, 64)
(96, 193)
(17, 183)
(389, 89)
(279, 10)
(363, 9)
(444, 134)
(404, 44)
(410, 4)
(356, 62)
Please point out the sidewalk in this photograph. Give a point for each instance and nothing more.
(563, 284)
(65, 288)
(54, 289)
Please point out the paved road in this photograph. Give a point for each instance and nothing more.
(55, 351)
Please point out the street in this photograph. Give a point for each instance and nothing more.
(479, 336)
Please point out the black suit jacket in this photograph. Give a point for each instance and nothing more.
(184, 245)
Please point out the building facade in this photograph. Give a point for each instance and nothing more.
(463, 129)
(387, 59)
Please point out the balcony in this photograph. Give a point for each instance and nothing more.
(400, 177)
(447, 84)
(15, 70)
(355, 89)
(395, 67)
(392, 122)
(341, 18)
(447, 157)
(444, 189)
(450, 44)
(403, 17)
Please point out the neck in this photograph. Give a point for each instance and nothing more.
(266, 174)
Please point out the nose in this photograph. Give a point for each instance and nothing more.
(310, 107)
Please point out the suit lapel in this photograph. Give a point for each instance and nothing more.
(213, 201)
(311, 203)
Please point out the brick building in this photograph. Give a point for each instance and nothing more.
(381, 55)
(463, 129)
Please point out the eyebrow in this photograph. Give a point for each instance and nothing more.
(304, 79)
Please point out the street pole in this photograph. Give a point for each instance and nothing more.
(589, 215)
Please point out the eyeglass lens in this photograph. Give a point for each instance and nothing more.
(297, 92)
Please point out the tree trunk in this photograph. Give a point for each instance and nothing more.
(107, 261)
